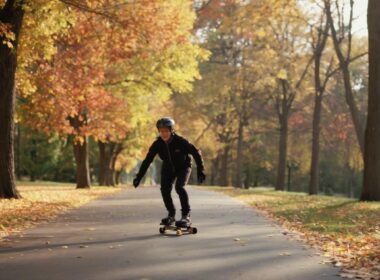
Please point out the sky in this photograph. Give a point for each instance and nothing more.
(360, 15)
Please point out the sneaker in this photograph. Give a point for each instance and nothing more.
(169, 220)
(185, 221)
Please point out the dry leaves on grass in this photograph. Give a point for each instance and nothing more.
(347, 231)
(41, 203)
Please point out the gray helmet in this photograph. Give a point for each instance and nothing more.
(165, 122)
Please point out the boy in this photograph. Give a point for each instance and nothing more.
(174, 151)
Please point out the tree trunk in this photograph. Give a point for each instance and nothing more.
(239, 156)
(371, 187)
(319, 91)
(283, 147)
(108, 153)
(224, 167)
(118, 177)
(112, 172)
(344, 63)
(110, 182)
(355, 115)
(82, 163)
(11, 13)
(314, 169)
(214, 170)
(103, 162)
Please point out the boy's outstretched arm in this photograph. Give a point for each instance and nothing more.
(199, 161)
(145, 164)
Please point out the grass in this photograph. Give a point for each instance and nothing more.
(347, 230)
(42, 201)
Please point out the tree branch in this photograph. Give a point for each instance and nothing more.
(83, 7)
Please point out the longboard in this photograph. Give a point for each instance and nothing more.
(177, 229)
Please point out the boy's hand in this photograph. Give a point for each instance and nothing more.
(136, 182)
(201, 176)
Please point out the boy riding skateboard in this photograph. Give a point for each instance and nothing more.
(174, 151)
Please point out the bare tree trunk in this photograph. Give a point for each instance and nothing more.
(314, 169)
(344, 62)
(355, 114)
(283, 105)
(11, 13)
(224, 167)
(214, 170)
(319, 89)
(81, 154)
(283, 148)
(371, 187)
(239, 157)
(82, 163)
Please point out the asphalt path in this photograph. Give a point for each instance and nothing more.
(117, 237)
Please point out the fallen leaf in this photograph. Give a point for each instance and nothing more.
(347, 275)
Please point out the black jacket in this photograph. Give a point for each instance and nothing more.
(175, 155)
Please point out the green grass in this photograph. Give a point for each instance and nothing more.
(323, 214)
(42, 183)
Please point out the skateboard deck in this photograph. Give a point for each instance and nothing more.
(178, 229)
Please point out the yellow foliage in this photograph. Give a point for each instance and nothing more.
(43, 21)
(282, 74)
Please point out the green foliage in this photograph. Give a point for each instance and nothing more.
(44, 158)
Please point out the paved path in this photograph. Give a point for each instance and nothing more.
(117, 238)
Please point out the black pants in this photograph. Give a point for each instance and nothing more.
(167, 180)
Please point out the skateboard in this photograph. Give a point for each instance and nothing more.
(179, 230)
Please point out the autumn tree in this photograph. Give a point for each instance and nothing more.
(371, 187)
(68, 100)
(236, 36)
(289, 46)
(146, 79)
(26, 29)
(320, 34)
(104, 93)
(11, 16)
(341, 34)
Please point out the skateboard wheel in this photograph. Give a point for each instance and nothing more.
(162, 230)
(179, 232)
(194, 230)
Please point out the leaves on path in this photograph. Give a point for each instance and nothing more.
(43, 203)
